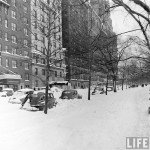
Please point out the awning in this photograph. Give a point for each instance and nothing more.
(10, 79)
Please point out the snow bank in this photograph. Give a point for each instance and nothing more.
(102, 123)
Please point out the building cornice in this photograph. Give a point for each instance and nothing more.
(4, 2)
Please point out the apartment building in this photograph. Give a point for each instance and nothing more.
(81, 23)
(15, 50)
(46, 37)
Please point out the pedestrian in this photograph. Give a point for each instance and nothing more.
(28, 96)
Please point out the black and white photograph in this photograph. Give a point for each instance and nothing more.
(74, 74)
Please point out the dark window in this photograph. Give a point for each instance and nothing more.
(55, 73)
(36, 71)
(43, 72)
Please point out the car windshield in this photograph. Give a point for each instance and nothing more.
(67, 92)
(20, 92)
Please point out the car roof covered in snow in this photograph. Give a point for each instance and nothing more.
(7, 89)
(25, 90)
(42, 91)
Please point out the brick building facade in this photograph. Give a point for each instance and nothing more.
(15, 40)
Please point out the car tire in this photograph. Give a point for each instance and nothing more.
(40, 108)
(65, 97)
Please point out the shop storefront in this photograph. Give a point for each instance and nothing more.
(10, 80)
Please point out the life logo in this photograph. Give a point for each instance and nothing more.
(137, 143)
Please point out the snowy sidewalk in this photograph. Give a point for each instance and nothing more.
(100, 124)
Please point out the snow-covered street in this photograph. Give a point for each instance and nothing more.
(100, 124)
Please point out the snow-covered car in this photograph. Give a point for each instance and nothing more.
(20, 95)
(37, 99)
(97, 90)
(70, 94)
(110, 88)
(3, 94)
(8, 91)
(56, 91)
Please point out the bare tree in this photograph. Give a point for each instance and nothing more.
(142, 18)
(46, 38)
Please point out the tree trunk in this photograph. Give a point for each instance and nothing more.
(122, 83)
(114, 82)
(89, 88)
(46, 98)
(106, 84)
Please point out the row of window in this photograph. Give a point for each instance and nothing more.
(13, 12)
(44, 72)
(13, 39)
(14, 27)
(25, 21)
(14, 64)
(14, 2)
(13, 50)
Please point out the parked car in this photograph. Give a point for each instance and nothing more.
(3, 94)
(20, 95)
(70, 94)
(37, 99)
(9, 91)
(110, 88)
(97, 90)
(56, 91)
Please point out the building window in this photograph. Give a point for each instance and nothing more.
(25, 20)
(43, 50)
(6, 48)
(35, 14)
(25, 9)
(7, 63)
(6, 23)
(35, 35)
(14, 51)
(6, 10)
(25, 42)
(37, 60)
(35, 46)
(60, 74)
(36, 83)
(13, 39)
(0, 61)
(36, 71)
(35, 24)
(13, 26)
(26, 54)
(0, 34)
(26, 66)
(25, 31)
(0, 20)
(43, 40)
(43, 72)
(14, 64)
(13, 14)
(0, 8)
(6, 37)
(55, 73)
(27, 76)
(43, 61)
(42, 18)
(14, 3)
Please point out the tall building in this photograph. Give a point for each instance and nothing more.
(15, 42)
(46, 39)
(81, 24)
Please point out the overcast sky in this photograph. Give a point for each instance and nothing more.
(122, 21)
